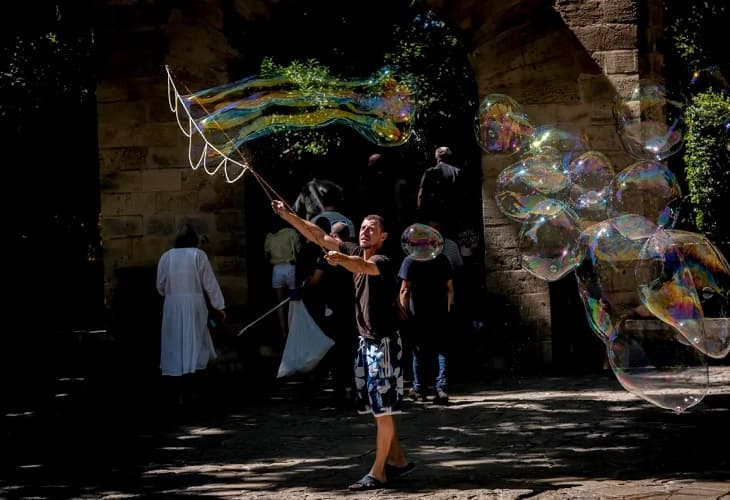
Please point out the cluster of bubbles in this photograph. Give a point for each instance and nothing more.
(657, 297)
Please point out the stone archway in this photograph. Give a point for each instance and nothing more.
(564, 61)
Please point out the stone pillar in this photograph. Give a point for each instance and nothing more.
(147, 185)
(564, 61)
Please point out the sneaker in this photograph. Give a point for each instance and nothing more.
(416, 395)
(441, 397)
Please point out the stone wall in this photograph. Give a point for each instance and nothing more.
(147, 185)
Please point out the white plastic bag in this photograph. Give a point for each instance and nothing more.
(306, 344)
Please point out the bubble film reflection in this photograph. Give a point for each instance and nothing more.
(422, 242)
(646, 188)
(605, 275)
(549, 241)
(650, 363)
(501, 126)
(590, 175)
(711, 277)
(666, 288)
(650, 121)
(522, 185)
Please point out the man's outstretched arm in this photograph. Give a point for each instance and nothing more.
(309, 230)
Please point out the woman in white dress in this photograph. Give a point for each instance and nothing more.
(184, 274)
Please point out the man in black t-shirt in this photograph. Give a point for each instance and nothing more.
(439, 193)
(378, 376)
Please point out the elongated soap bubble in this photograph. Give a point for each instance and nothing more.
(646, 188)
(501, 126)
(649, 362)
(422, 242)
(590, 175)
(524, 184)
(549, 240)
(666, 287)
(380, 108)
(649, 121)
(711, 277)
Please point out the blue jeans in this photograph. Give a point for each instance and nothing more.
(422, 358)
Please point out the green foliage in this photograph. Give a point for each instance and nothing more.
(706, 163)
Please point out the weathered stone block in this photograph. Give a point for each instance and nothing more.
(176, 201)
(607, 36)
(159, 225)
(617, 61)
(110, 159)
(121, 226)
(127, 203)
(121, 181)
(121, 114)
(141, 134)
(168, 179)
(166, 157)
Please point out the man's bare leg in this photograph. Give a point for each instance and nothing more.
(387, 447)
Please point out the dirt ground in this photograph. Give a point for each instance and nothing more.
(580, 437)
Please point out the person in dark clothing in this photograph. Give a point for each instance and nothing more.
(338, 319)
(439, 193)
(378, 375)
(427, 293)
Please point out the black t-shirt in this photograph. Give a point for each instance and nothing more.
(375, 310)
(428, 279)
(440, 188)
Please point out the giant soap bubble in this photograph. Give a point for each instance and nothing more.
(422, 242)
(646, 188)
(524, 184)
(590, 175)
(649, 121)
(501, 126)
(606, 279)
(649, 362)
(666, 288)
(711, 277)
(549, 240)
(560, 140)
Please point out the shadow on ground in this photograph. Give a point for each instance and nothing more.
(117, 436)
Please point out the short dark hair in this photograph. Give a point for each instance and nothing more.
(341, 230)
(443, 152)
(186, 237)
(378, 218)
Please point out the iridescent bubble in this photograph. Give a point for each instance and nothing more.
(605, 274)
(501, 126)
(422, 242)
(650, 363)
(380, 108)
(646, 188)
(526, 183)
(590, 175)
(549, 240)
(650, 121)
(711, 275)
(563, 141)
(666, 288)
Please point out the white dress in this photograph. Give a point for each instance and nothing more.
(182, 275)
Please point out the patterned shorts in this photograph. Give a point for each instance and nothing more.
(378, 376)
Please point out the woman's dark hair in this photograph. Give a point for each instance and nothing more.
(186, 237)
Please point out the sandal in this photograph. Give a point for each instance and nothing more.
(367, 482)
(394, 471)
